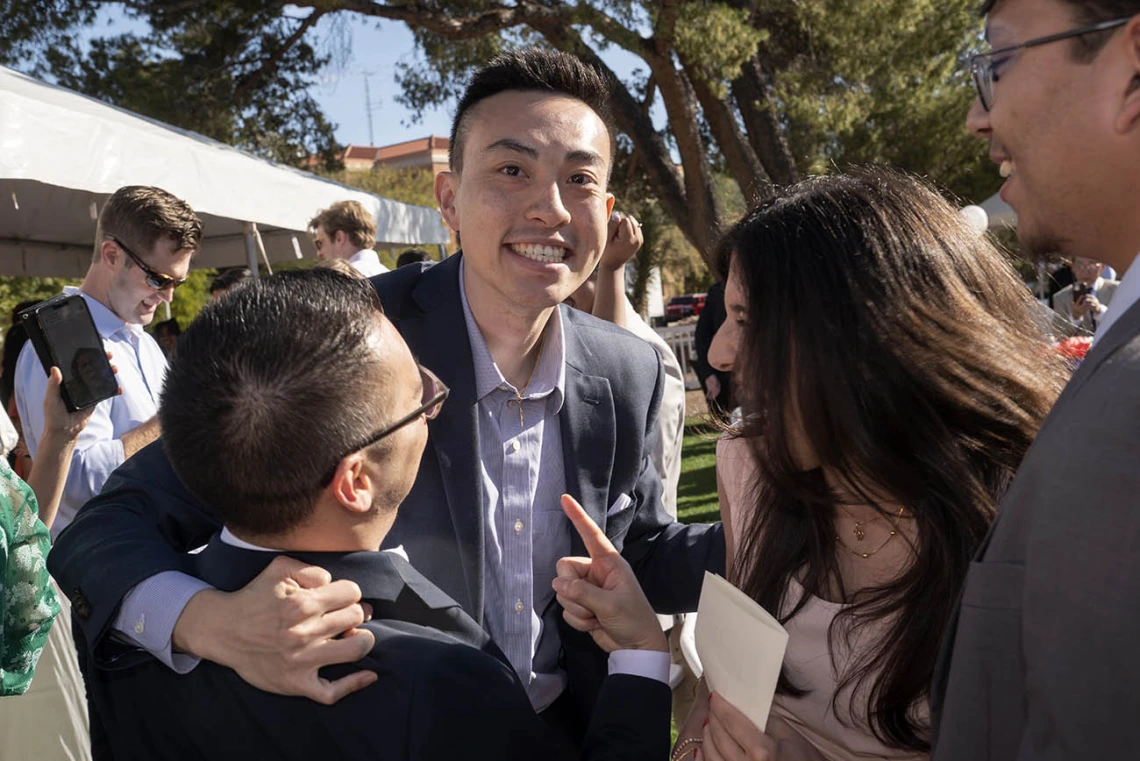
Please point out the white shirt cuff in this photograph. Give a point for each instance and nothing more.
(651, 664)
(151, 609)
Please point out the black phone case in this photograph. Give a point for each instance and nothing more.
(31, 320)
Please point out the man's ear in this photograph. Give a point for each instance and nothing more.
(352, 485)
(609, 205)
(445, 185)
(1128, 120)
(109, 252)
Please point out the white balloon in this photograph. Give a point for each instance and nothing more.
(976, 218)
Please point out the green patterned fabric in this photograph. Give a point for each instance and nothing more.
(27, 601)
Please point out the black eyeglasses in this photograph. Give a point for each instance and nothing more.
(156, 280)
(984, 68)
(431, 402)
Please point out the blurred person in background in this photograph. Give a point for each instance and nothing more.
(1084, 301)
(347, 231)
(716, 384)
(228, 279)
(413, 255)
(166, 333)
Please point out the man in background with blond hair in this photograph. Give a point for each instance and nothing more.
(347, 231)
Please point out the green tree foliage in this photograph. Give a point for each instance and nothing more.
(238, 72)
(760, 91)
(17, 290)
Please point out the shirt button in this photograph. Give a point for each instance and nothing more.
(518, 606)
(518, 526)
(514, 447)
(139, 626)
(503, 387)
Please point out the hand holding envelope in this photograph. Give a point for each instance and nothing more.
(600, 594)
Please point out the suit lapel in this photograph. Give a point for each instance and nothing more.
(438, 335)
(588, 436)
(1119, 334)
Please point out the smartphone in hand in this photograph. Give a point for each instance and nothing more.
(63, 334)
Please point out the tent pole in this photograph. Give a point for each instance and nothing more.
(250, 248)
(257, 242)
(442, 252)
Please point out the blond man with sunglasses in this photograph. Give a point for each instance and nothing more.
(144, 240)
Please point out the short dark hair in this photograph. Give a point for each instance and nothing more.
(413, 255)
(170, 327)
(139, 215)
(250, 378)
(229, 278)
(1085, 47)
(534, 69)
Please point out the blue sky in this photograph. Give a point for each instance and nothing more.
(363, 47)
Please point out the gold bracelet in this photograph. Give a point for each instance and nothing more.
(686, 747)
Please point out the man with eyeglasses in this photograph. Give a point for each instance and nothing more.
(144, 240)
(240, 446)
(1041, 660)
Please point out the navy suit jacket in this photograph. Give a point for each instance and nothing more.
(141, 523)
(444, 690)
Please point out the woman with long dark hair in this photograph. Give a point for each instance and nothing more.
(892, 377)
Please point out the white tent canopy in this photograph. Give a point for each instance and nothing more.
(62, 154)
(1001, 214)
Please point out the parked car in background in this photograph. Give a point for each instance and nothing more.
(680, 307)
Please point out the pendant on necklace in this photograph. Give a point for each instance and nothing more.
(860, 535)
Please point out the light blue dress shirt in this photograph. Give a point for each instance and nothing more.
(524, 527)
(99, 450)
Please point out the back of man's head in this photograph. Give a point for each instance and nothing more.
(532, 69)
(234, 277)
(258, 400)
(140, 215)
(351, 218)
(412, 256)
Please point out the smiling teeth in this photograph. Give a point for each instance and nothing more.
(1006, 168)
(540, 253)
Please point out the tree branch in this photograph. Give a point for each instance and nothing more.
(742, 162)
(751, 90)
(269, 65)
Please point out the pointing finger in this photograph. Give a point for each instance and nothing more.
(593, 537)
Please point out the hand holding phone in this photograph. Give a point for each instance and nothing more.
(64, 336)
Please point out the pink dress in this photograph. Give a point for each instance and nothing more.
(838, 734)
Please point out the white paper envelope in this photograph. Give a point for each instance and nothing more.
(741, 647)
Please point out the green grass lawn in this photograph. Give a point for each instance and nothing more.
(696, 493)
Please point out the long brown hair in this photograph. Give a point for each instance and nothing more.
(921, 374)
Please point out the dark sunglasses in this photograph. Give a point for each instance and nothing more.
(156, 280)
(431, 402)
(983, 67)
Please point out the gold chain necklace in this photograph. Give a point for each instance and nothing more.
(860, 535)
(519, 392)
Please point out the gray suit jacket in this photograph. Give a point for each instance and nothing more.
(1042, 661)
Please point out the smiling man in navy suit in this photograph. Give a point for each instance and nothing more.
(545, 400)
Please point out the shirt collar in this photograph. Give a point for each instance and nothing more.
(228, 537)
(1127, 294)
(364, 255)
(550, 373)
(106, 322)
